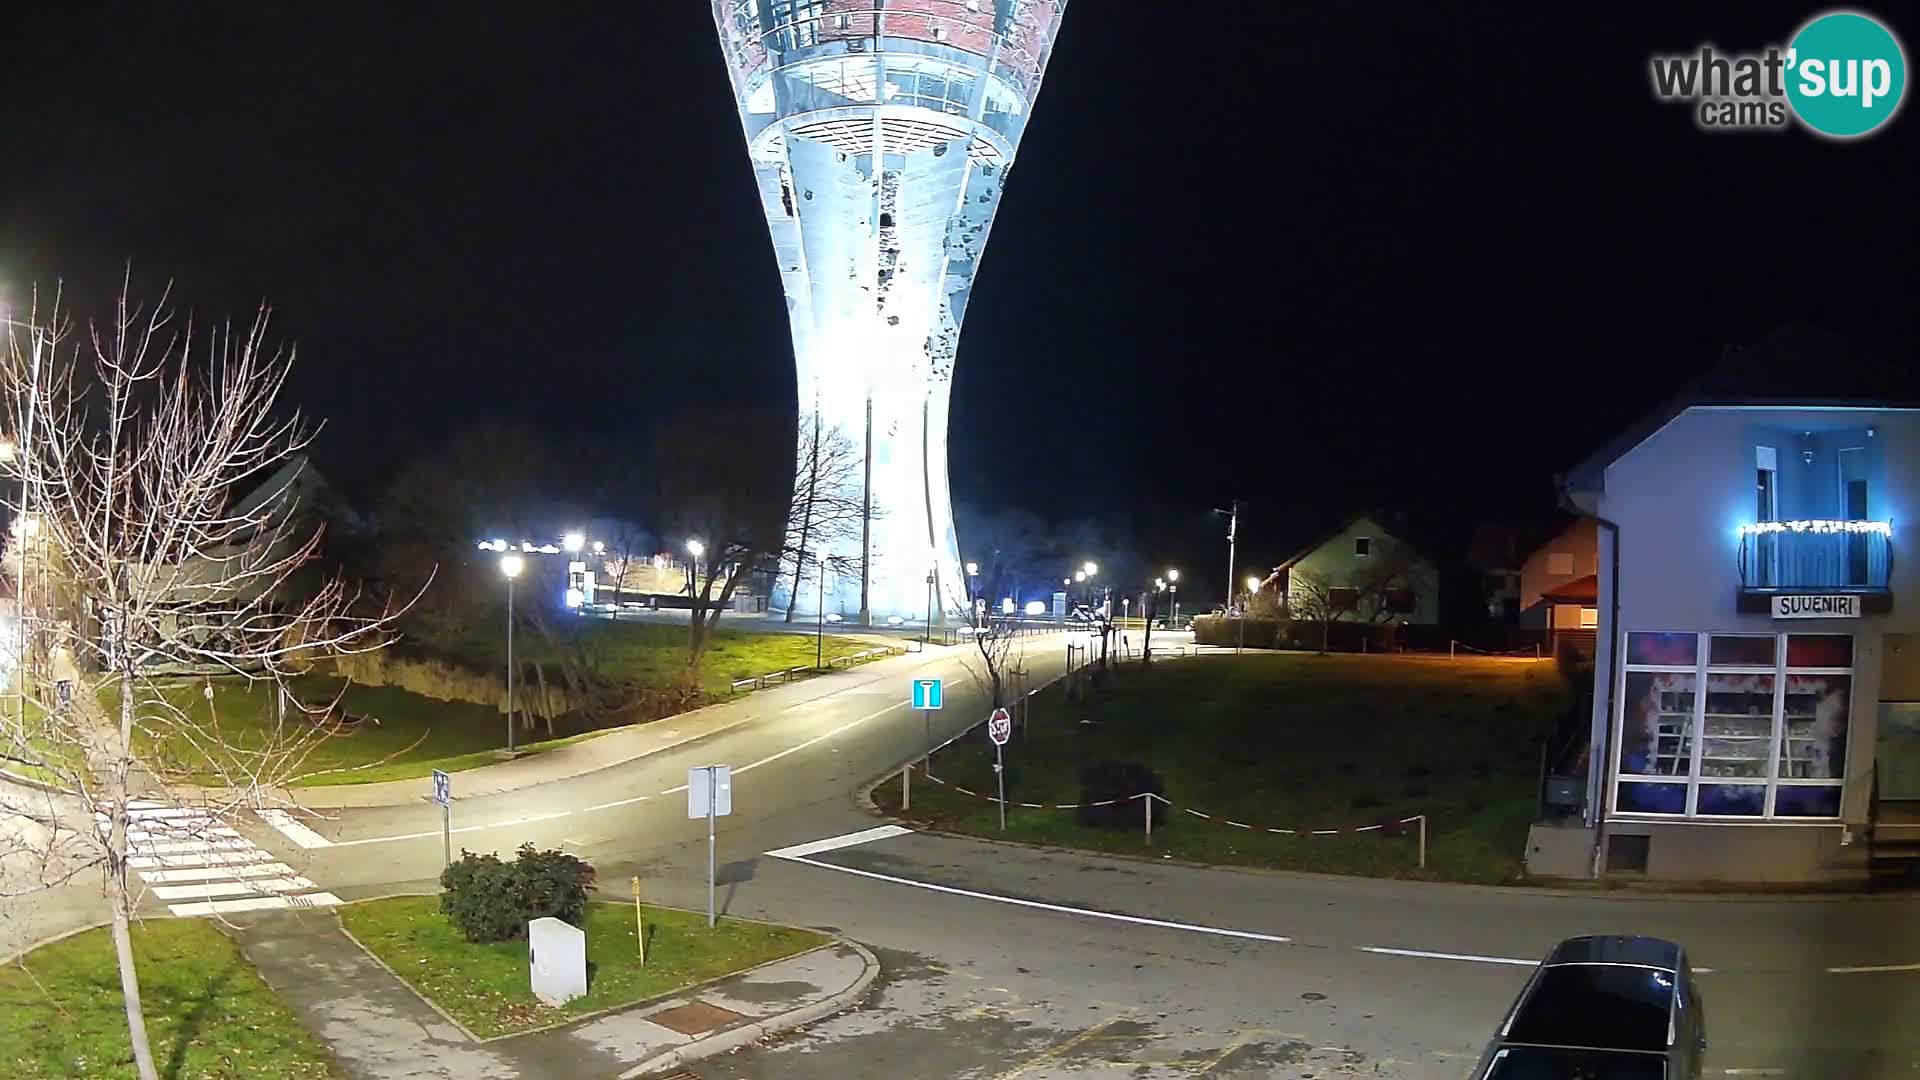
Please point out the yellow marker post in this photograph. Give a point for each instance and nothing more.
(639, 924)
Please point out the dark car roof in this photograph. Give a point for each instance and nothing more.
(1616, 949)
(1556, 1063)
(1601, 1005)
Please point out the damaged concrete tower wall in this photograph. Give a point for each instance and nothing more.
(881, 132)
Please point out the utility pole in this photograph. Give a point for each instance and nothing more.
(1233, 533)
(866, 522)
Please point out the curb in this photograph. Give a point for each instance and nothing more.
(735, 1038)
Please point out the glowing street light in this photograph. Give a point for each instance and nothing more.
(1173, 594)
(696, 549)
(510, 567)
(573, 542)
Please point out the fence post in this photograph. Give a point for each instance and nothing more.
(1449, 648)
(1423, 841)
(906, 786)
(1146, 802)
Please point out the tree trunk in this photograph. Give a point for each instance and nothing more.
(1146, 640)
(118, 900)
(1326, 634)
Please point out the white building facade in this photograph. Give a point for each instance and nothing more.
(1757, 675)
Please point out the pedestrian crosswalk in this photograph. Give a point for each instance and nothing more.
(200, 866)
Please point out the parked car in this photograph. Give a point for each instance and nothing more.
(1603, 1008)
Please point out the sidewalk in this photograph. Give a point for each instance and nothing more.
(379, 1029)
(625, 744)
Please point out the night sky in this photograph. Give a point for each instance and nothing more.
(1335, 256)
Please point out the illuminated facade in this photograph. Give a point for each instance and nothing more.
(881, 133)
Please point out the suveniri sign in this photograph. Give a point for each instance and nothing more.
(1836, 606)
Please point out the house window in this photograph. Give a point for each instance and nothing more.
(1342, 598)
(1362, 546)
(1732, 726)
(1400, 601)
(1589, 618)
(1560, 564)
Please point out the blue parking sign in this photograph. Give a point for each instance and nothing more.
(926, 693)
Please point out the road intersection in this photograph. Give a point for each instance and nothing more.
(1003, 961)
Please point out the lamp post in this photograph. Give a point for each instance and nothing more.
(973, 589)
(695, 549)
(510, 567)
(1173, 592)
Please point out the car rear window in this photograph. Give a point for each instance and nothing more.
(1542, 1063)
(1613, 1008)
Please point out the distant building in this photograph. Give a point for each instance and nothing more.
(1756, 713)
(1559, 587)
(1368, 573)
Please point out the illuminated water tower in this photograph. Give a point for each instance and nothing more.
(881, 133)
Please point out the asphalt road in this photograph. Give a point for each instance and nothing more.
(1003, 961)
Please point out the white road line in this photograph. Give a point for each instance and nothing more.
(1872, 968)
(170, 862)
(193, 847)
(255, 903)
(528, 820)
(294, 830)
(1037, 905)
(616, 802)
(218, 873)
(207, 890)
(1451, 956)
(818, 738)
(834, 843)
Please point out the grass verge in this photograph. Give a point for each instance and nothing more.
(485, 986)
(1285, 741)
(209, 1014)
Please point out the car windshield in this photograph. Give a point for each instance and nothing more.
(1550, 1063)
(1597, 1005)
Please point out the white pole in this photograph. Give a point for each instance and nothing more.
(446, 833)
(712, 794)
(906, 786)
(1000, 774)
(509, 665)
(1423, 841)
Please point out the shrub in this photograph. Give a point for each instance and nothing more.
(490, 900)
(1118, 781)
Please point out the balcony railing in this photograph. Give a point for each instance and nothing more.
(1844, 556)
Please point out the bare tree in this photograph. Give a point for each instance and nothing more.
(1316, 599)
(827, 502)
(997, 647)
(1385, 587)
(721, 485)
(130, 552)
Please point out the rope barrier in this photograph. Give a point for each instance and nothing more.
(1530, 650)
(1163, 800)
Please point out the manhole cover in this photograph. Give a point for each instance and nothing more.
(694, 1018)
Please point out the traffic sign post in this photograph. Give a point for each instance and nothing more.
(710, 795)
(443, 794)
(1000, 729)
(927, 697)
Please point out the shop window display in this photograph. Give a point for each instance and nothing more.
(1733, 726)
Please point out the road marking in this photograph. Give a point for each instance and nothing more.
(255, 903)
(834, 843)
(616, 802)
(1451, 956)
(1056, 1050)
(1872, 968)
(294, 830)
(1136, 920)
(528, 820)
(219, 873)
(207, 890)
(769, 759)
(224, 858)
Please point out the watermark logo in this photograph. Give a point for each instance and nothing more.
(1842, 75)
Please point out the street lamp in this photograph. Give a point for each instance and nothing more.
(1173, 592)
(696, 549)
(573, 542)
(510, 567)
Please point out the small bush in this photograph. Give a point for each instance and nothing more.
(1119, 781)
(490, 900)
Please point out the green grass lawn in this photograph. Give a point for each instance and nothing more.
(655, 654)
(418, 734)
(485, 986)
(1283, 741)
(209, 1015)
